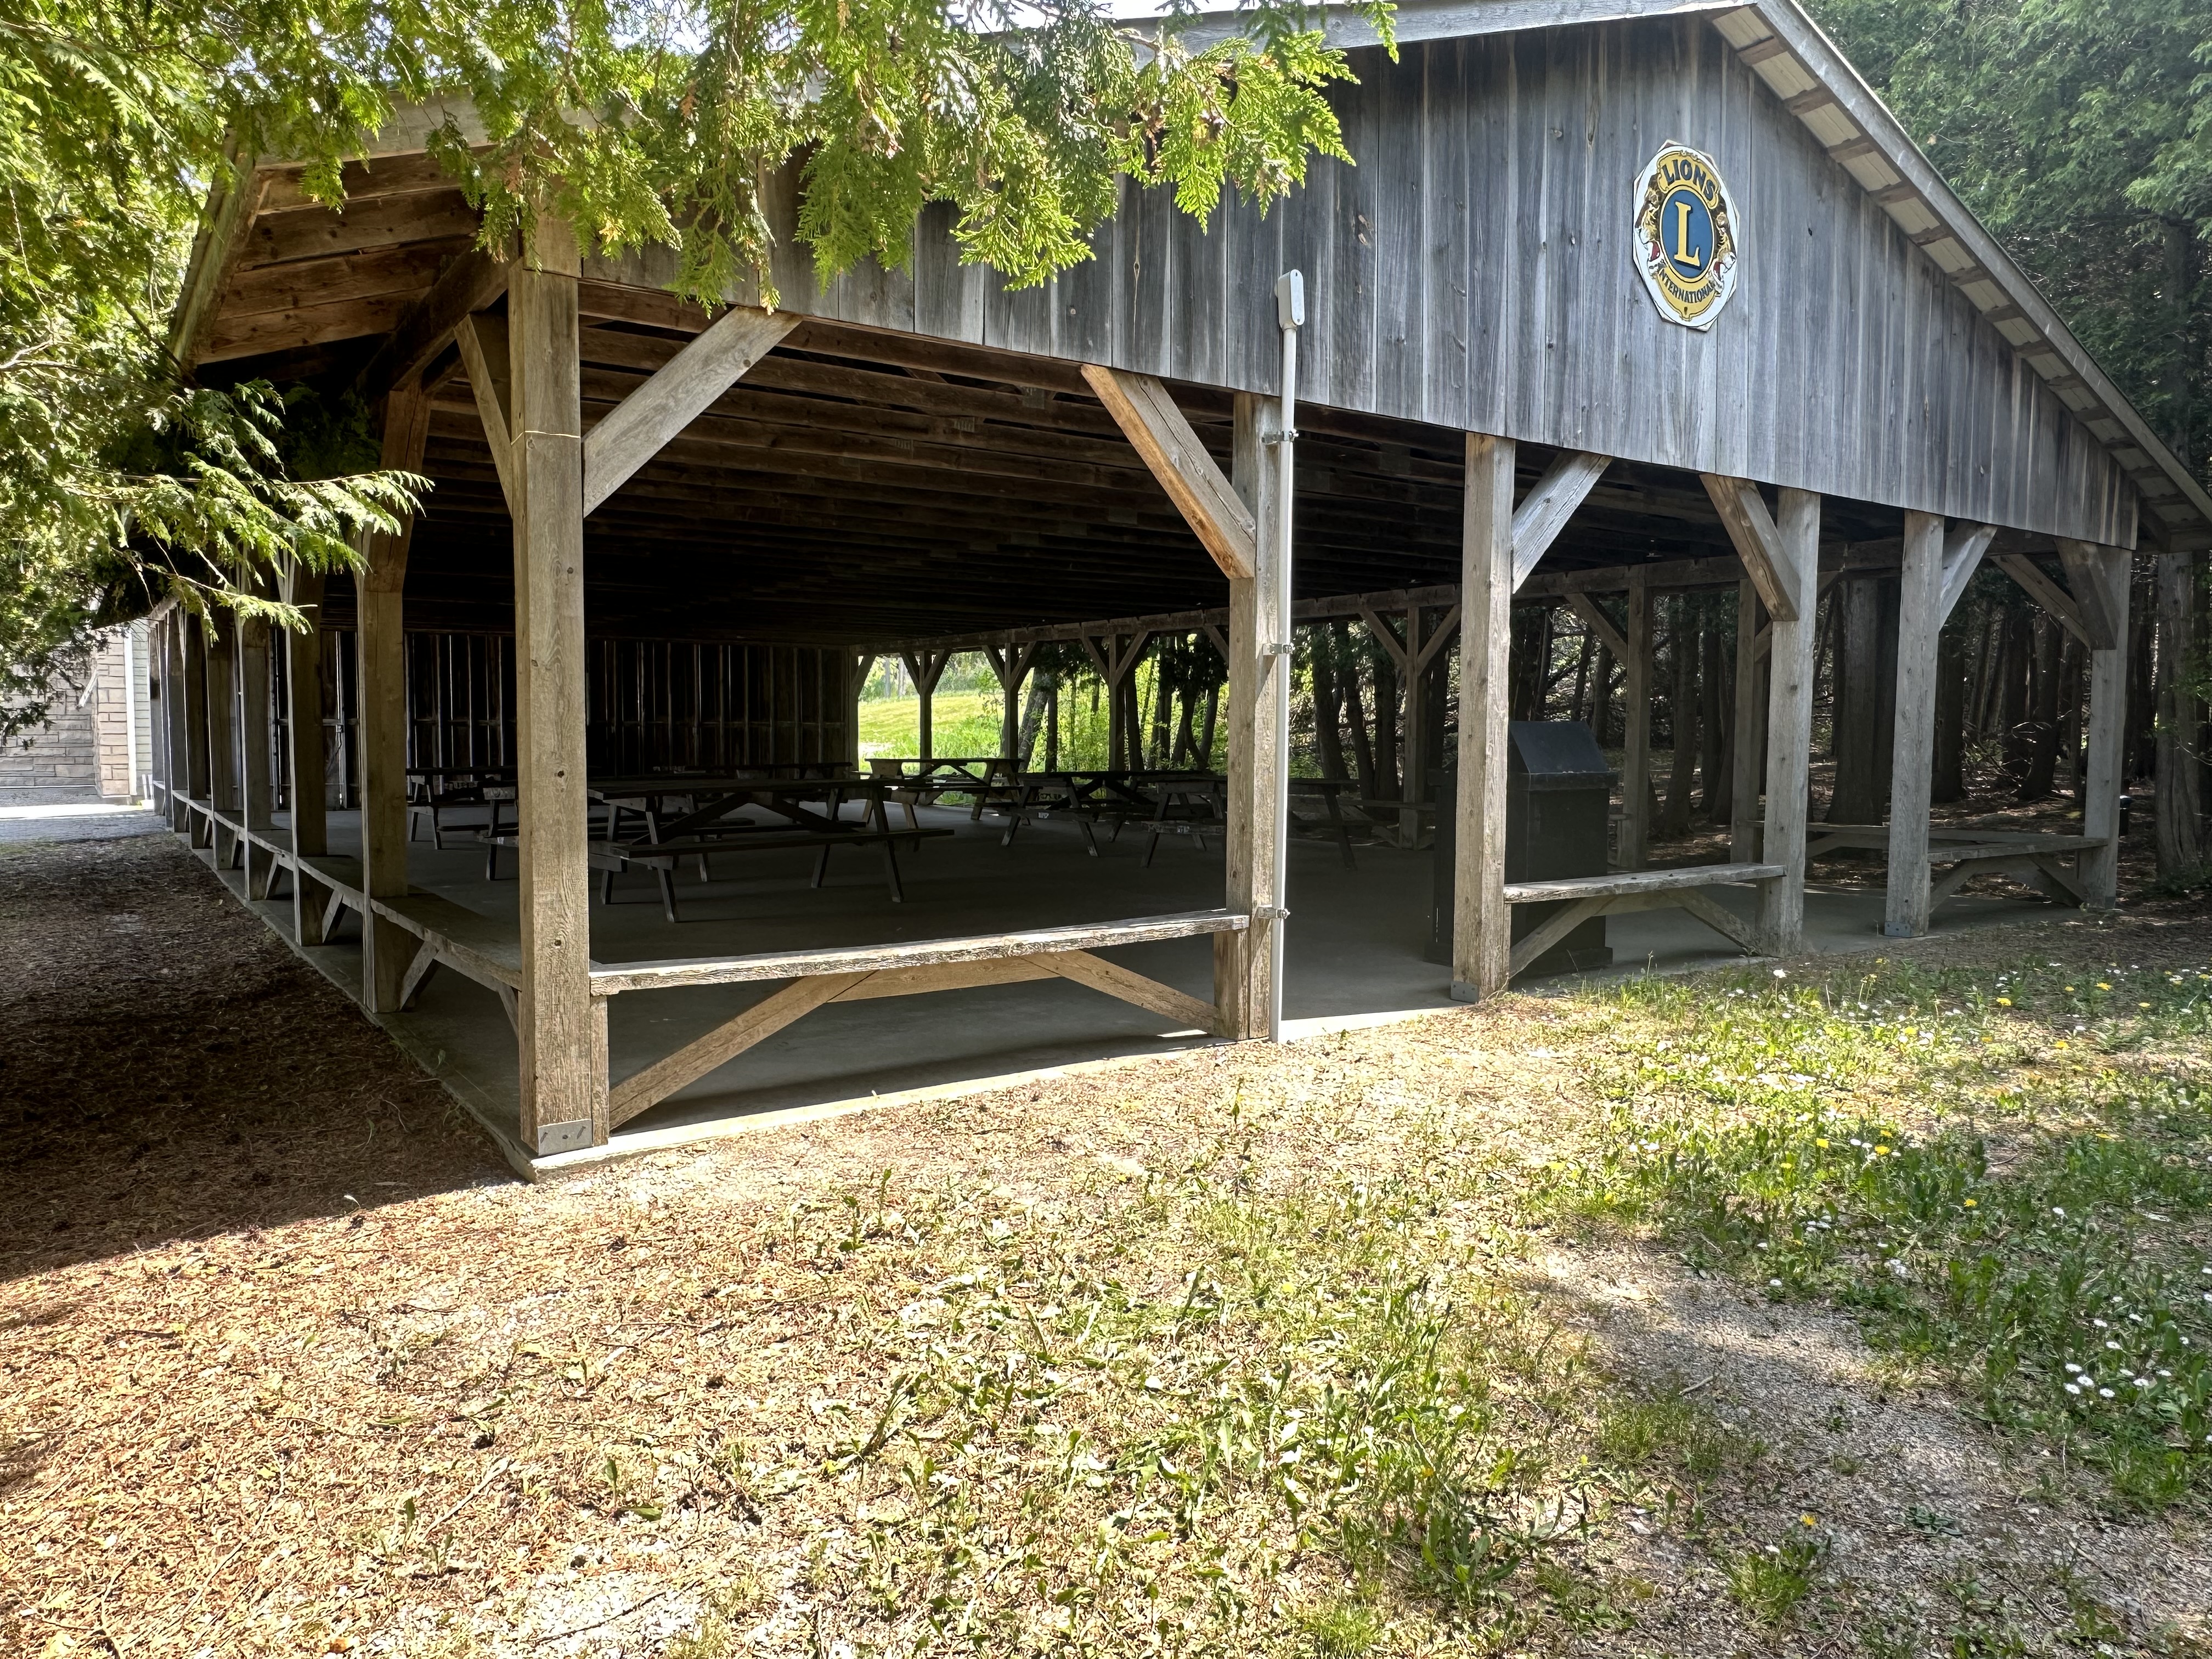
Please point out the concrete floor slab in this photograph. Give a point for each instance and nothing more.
(1355, 947)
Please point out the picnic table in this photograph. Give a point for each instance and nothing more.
(708, 808)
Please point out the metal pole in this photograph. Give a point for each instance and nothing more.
(1290, 315)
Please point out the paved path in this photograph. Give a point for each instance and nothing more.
(100, 820)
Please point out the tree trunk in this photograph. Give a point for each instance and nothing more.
(1328, 712)
(2012, 667)
(1581, 676)
(1682, 717)
(1386, 728)
(1856, 797)
(1362, 747)
(1948, 782)
(1716, 716)
(1044, 688)
(2180, 799)
(2039, 775)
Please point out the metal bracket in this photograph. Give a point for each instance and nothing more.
(1288, 434)
(569, 1137)
(1269, 913)
(1281, 648)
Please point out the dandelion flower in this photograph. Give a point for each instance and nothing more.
(2101, 986)
(1817, 1142)
(2004, 1002)
(1810, 1520)
(1970, 1203)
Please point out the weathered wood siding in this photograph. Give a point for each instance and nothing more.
(1475, 271)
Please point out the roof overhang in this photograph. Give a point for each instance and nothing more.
(1776, 38)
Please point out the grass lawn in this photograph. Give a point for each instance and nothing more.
(1859, 1309)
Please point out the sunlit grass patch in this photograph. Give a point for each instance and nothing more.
(1320, 1409)
(1958, 1159)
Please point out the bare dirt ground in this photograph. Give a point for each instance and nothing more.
(289, 1363)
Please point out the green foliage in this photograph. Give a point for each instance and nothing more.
(2080, 132)
(2056, 1286)
(636, 122)
(1770, 1582)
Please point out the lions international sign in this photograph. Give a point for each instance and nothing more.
(1685, 236)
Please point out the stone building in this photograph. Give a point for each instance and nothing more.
(97, 737)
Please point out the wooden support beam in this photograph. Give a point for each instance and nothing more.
(1635, 735)
(1743, 515)
(1538, 519)
(1789, 721)
(1919, 624)
(2044, 592)
(164, 647)
(1482, 932)
(1115, 981)
(1598, 623)
(483, 342)
(1010, 665)
(257, 737)
(646, 1089)
(380, 656)
(1259, 680)
(561, 1026)
(221, 693)
(1963, 549)
(1533, 945)
(926, 668)
(305, 761)
(473, 281)
(1217, 513)
(2084, 562)
(192, 636)
(678, 394)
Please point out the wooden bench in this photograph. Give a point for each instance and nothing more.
(1582, 897)
(2039, 860)
(479, 947)
(663, 857)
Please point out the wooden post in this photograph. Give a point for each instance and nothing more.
(1636, 741)
(1243, 963)
(175, 717)
(220, 677)
(1482, 941)
(380, 660)
(1750, 727)
(306, 762)
(1011, 665)
(2108, 567)
(194, 631)
(258, 804)
(1912, 750)
(1790, 720)
(561, 1027)
(926, 668)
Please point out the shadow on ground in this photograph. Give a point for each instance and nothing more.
(169, 1069)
